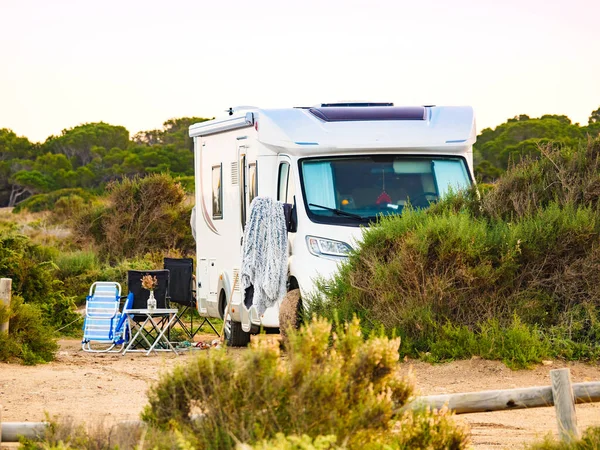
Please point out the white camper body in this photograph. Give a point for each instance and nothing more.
(339, 165)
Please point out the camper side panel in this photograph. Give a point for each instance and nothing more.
(218, 226)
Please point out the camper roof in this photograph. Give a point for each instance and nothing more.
(342, 128)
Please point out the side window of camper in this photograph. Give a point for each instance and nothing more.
(291, 189)
(252, 181)
(217, 192)
(286, 188)
(282, 186)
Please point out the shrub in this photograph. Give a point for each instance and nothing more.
(66, 434)
(34, 278)
(76, 263)
(590, 440)
(29, 339)
(327, 385)
(516, 344)
(304, 442)
(78, 270)
(66, 200)
(564, 175)
(142, 215)
(188, 183)
(517, 263)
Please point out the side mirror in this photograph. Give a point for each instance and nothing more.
(291, 216)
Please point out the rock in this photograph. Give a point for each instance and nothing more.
(547, 362)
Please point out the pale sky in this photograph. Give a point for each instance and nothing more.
(138, 63)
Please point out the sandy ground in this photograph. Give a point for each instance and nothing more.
(112, 387)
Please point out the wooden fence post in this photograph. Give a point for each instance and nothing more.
(5, 290)
(564, 404)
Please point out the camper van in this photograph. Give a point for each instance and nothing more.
(341, 166)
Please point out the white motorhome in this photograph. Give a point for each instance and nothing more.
(340, 165)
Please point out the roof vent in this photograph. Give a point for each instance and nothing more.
(353, 104)
(357, 114)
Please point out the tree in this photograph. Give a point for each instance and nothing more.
(519, 137)
(27, 182)
(560, 118)
(594, 117)
(15, 152)
(79, 143)
(175, 132)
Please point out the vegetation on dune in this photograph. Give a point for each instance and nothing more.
(509, 274)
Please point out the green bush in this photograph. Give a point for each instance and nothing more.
(188, 183)
(78, 270)
(326, 385)
(29, 339)
(589, 441)
(304, 442)
(76, 263)
(66, 201)
(34, 278)
(516, 344)
(516, 264)
(65, 434)
(143, 215)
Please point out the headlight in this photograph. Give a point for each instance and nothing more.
(327, 248)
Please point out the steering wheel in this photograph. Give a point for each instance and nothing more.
(417, 198)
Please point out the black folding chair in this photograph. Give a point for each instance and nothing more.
(140, 296)
(181, 291)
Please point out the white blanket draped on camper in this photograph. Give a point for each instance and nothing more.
(265, 253)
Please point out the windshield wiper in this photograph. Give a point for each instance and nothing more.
(339, 212)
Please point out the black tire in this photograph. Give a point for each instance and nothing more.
(236, 337)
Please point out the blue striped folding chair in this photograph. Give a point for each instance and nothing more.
(104, 327)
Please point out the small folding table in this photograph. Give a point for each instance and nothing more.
(166, 316)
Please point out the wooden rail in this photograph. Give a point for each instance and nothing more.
(486, 401)
(562, 395)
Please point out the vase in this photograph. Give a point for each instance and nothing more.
(151, 301)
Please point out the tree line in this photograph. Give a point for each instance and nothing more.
(522, 135)
(89, 156)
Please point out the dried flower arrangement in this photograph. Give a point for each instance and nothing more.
(149, 282)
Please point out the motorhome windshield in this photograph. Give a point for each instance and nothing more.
(356, 190)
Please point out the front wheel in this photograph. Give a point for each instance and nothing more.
(235, 336)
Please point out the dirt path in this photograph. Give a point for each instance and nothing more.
(113, 388)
